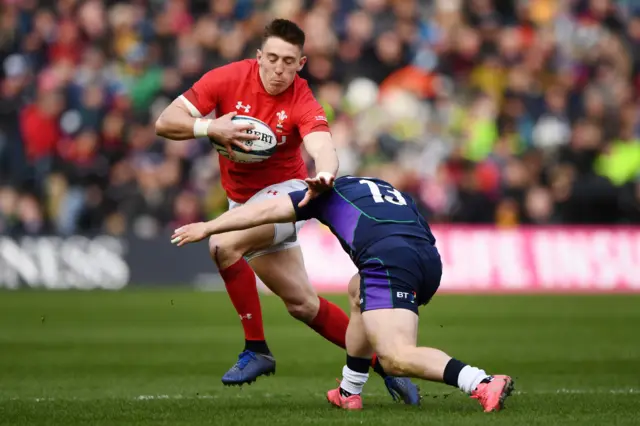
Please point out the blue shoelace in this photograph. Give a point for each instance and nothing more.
(245, 358)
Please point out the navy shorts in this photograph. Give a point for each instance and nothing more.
(399, 272)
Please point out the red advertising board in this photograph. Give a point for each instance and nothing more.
(494, 260)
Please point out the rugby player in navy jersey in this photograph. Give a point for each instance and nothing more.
(399, 269)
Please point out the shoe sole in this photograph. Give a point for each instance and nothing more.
(419, 398)
(248, 382)
(506, 392)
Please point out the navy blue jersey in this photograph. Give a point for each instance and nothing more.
(361, 211)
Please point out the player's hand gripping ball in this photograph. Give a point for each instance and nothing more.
(258, 149)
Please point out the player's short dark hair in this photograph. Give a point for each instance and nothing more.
(285, 30)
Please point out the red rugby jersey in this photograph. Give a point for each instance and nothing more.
(291, 115)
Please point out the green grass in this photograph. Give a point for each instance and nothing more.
(76, 358)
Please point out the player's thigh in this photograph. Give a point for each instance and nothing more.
(389, 331)
(392, 279)
(280, 265)
(283, 272)
(231, 246)
(388, 308)
(262, 239)
(284, 233)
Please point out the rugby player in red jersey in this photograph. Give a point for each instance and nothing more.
(269, 89)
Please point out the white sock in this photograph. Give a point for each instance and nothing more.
(470, 377)
(352, 381)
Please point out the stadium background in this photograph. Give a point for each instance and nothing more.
(488, 112)
(514, 124)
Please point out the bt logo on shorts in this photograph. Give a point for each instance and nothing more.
(410, 297)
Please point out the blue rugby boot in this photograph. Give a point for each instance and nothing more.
(249, 367)
(401, 388)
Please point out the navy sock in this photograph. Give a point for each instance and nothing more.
(359, 365)
(452, 371)
(257, 346)
(377, 367)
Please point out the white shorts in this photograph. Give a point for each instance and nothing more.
(286, 234)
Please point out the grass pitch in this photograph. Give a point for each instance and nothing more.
(156, 358)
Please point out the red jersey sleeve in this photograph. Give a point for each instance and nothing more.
(311, 116)
(205, 94)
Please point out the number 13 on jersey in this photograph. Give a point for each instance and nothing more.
(394, 197)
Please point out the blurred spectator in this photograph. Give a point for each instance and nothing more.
(8, 209)
(31, 219)
(487, 111)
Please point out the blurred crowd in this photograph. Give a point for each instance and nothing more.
(486, 111)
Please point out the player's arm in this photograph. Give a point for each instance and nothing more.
(282, 209)
(274, 210)
(184, 116)
(320, 147)
(177, 122)
(313, 126)
(182, 119)
(314, 129)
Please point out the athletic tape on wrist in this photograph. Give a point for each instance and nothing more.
(201, 127)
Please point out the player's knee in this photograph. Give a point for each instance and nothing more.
(223, 251)
(395, 361)
(305, 309)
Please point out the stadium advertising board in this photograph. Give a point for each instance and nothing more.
(102, 262)
(476, 259)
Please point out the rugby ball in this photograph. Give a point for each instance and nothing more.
(261, 149)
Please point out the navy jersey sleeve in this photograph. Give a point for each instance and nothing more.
(311, 210)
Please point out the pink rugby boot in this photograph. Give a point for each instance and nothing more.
(353, 402)
(491, 395)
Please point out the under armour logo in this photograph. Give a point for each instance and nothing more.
(272, 192)
(245, 107)
(247, 317)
